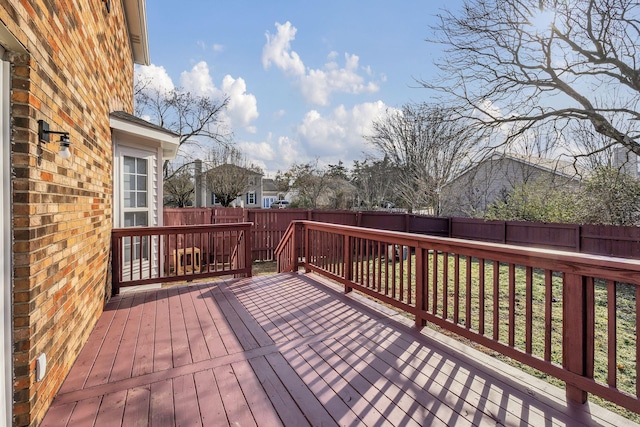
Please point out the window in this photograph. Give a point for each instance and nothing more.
(213, 199)
(266, 201)
(135, 178)
(251, 198)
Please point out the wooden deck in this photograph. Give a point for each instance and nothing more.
(290, 350)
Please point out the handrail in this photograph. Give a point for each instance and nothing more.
(150, 255)
(285, 253)
(501, 296)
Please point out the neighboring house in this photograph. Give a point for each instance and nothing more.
(67, 67)
(471, 192)
(270, 192)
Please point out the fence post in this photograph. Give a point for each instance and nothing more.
(575, 332)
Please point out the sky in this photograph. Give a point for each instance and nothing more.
(305, 79)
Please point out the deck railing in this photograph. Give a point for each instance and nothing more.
(571, 316)
(146, 255)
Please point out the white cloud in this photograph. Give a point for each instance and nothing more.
(339, 135)
(336, 136)
(316, 85)
(242, 109)
(199, 81)
(217, 47)
(287, 153)
(257, 151)
(153, 77)
(243, 106)
(278, 51)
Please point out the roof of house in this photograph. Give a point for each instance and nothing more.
(135, 126)
(559, 167)
(269, 184)
(136, 16)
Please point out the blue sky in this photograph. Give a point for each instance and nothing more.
(306, 78)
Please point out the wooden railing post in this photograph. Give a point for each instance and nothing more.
(295, 259)
(574, 340)
(248, 259)
(307, 250)
(348, 262)
(116, 265)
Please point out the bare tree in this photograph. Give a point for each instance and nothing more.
(374, 182)
(178, 188)
(196, 119)
(229, 175)
(426, 146)
(515, 64)
(309, 182)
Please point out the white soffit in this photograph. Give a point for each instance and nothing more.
(168, 141)
(136, 17)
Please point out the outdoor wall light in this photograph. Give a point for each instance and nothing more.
(65, 143)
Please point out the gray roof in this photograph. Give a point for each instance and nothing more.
(138, 121)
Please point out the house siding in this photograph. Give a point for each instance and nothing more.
(78, 67)
(471, 193)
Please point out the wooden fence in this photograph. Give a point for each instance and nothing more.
(269, 226)
(572, 316)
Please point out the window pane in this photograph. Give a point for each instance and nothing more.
(142, 183)
(141, 219)
(129, 164)
(128, 203)
(127, 183)
(142, 199)
(142, 167)
(128, 219)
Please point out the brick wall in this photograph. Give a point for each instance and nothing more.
(78, 67)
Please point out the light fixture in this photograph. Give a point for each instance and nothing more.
(65, 143)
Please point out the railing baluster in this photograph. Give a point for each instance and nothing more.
(434, 283)
(612, 334)
(548, 307)
(512, 305)
(637, 340)
(496, 300)
(467, 320)
(379, 286)
(456, 289)
(481, 296)
(529, 310)
(445, 285)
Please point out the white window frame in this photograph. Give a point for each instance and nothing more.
(6, 366)
(148, 156)
(251, 198)
(139, 154)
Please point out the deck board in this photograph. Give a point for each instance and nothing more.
(290, 350)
